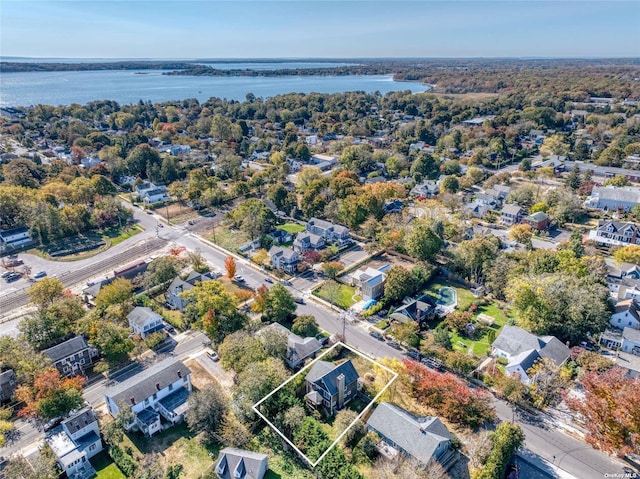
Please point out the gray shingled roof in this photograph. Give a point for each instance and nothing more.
(66, 349)
(325, 374)
(143, 384)
(141, 314)
(81, 420)
(249, 461)
(511, 209)
(514, 341)
(417, 436)
(631, 334)
(526, 359)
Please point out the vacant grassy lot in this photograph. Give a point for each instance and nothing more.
(345, 298)
(292, 228)
(105, 467)
(228, 238)
(117, 236)
(176, 445)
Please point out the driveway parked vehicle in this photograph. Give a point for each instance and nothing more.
(214, 356)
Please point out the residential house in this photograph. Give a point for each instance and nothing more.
(332, 233)
(476, 209)
(162, 389)
(422, 438)
(417, 310)
(331, 385)
(151, 193)
(491, 198)
(538, 220)
(14, 238)
(522, 349)
(478, 121)
(75, 442)
(615, 233)
(393, 206)
(72, 356)
(631, 341)
(323, 162)
(7, 385)
(557, 162)
(179, 286)
(611, 198)
(298, 349)
(370, 281)
(280, 236)
(306, 241)
(284, 259)
(235, 463)
(143, 321)
(627, 314)
(427, 189)
(510, 215)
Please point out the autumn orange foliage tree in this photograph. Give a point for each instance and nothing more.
(51, 395)
(230, 266)
(449, 395)
(610, 410)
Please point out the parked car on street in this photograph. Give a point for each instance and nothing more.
(377, 335)
(414, 355)
(268, 280)
(393, 344)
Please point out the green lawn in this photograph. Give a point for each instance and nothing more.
(292, 228)
(229, 238)
(105, 467)
(384, 324)
(117, 236)
(346, 298)
(482, 345)
(177, 445)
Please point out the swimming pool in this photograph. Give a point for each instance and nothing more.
(447, 296)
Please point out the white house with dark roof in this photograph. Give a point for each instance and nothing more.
(615, 233)
(162, 389)
(72, 356)
(522, 349)
(284, 259)
(332, 233)
(331, 385)
(424, 439)
(298, 349)
(626, 315)
(14, 238)
(612, 198)
(510, 215)
(75, 442)
(144, 321)
(236, 463)
(306, 241)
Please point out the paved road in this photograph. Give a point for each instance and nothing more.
(549, 448)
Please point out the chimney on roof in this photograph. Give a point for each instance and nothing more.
(179, 374)
(158, 386)
(133, 400)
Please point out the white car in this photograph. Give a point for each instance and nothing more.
(239, 278)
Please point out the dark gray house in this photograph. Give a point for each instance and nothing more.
(179, 286)
(298, 349)
(422, 438)
(241, 464)
(71, 357)
(7, 385)
(418, 310)
(331, 385)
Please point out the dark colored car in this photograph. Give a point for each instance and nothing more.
(414, 355)
(393, 344)
(53, 423)
(40, 274)
(268, 280)
(299, 300)
(377, 335)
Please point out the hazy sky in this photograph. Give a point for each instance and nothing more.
(255, 29)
